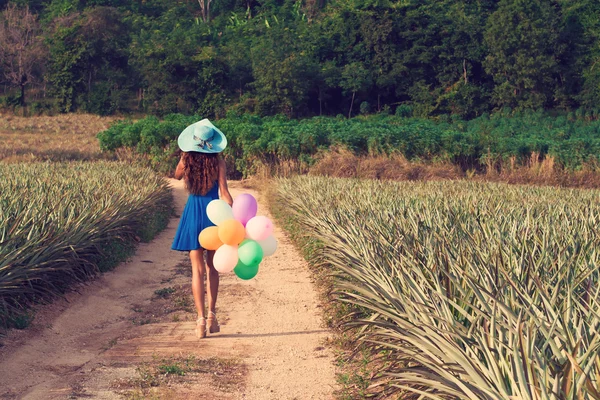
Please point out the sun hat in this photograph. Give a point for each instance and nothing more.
(202, 137)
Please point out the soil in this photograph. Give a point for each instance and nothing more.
(130, 333)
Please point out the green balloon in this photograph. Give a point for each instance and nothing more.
(250, 252)
(246, 272)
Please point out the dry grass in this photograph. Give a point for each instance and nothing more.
(343, 163)
(541, 171)
(57, 138)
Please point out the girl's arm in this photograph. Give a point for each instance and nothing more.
(179, 169)
(223, 189)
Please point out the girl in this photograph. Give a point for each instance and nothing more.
(205, 176)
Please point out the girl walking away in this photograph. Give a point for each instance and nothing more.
(205, 176)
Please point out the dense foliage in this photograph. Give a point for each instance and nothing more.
(61, 223)
(302, 57)
(462, 290)
(573, 142)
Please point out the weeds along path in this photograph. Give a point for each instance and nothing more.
(130, 334)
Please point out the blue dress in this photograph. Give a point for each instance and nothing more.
(194, 220)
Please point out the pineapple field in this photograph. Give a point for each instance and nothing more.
(64, 222)
(461, 290)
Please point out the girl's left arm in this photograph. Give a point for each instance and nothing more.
(223, 189)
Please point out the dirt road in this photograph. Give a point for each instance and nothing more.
(130, 334)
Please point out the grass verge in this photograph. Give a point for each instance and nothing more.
(155, 378)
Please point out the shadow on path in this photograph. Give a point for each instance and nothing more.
(243, 335)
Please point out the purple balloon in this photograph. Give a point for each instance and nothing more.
(244, 208)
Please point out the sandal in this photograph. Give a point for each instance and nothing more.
(201, 328)
(213, 324)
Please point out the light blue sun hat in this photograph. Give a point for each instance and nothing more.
(202, 137)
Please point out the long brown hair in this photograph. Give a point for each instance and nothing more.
(200, 171)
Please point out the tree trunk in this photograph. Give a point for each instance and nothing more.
(351, 105)
(22, 84)
(205, 9)
(22, 99)
(202, 10)
(320, 102)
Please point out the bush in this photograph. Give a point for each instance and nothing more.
(365, 108)
(404, 111)
(255, 141)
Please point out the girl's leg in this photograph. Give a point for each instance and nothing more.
(213, 291)
(197, 259)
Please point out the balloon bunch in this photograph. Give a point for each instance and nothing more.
(240, 238)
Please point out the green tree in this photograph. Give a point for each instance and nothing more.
(378, 45)
(523, 41)
(283, 71)
(169, 53)
(236, 52)
(582, 58)
(464, 87)
(88, 62)
(355, 78)
(212, 88)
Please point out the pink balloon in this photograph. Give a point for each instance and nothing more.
(226, 258)
(244, 208)
(259, 228)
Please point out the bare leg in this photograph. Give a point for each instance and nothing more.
(213, 281)
(197, 259)
(213, 291)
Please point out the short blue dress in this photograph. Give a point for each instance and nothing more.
(194, 220)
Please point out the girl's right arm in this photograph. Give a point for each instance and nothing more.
(223, 189)
(179, 169)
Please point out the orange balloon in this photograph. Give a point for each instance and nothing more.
(232, 232)
(209, 238)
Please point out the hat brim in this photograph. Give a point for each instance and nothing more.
(187, 143)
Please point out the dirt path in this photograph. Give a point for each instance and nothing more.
(130, 334)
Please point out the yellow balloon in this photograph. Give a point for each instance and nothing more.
(209, 238)
(232, 232)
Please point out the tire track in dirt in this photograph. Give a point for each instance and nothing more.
(271, 344)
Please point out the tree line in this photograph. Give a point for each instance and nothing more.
(301, 58)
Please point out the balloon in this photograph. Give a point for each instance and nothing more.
(209, 238)
(226, 258)
(219, 211)
(244, 208)
(269, 245)
(259, 228)
(231, 232)
(246, 272)
(250, 252)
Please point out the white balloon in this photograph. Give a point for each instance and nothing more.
(269, 245)
(225, 258)
(219, 211)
